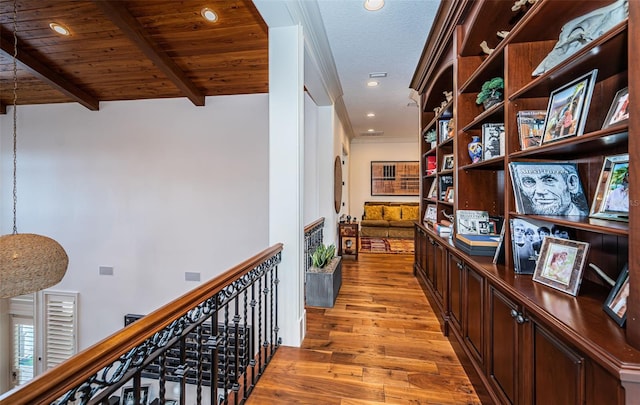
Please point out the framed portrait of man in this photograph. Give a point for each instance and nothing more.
(548, 188)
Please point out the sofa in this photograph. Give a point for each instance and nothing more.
(389, 219)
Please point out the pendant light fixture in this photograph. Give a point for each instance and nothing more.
(28, 262)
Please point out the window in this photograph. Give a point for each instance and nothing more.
(35, 348)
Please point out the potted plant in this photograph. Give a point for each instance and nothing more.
(324, 277)
(323, 255)
(491, 92)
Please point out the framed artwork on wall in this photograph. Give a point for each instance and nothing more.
(395, 178)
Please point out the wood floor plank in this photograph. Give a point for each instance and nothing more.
(381, 343)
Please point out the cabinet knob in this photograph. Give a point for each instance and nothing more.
(460, 266)
(520, 319)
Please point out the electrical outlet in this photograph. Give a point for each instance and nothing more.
(191, 276)
(106, 270)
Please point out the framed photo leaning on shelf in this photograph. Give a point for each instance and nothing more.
(619, 110)
(548, 188)
(448, 162)
(561, 264)
(568, 107)
(443, 129)
(616, 303)
(530, 127)
(449, 194)
(611, 200)
(493, 140)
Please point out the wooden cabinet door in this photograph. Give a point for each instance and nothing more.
(474, 313)
(503, 346)
(456, 275)
(420, 264)
(440, 273)
(431, 263)
(558, 371)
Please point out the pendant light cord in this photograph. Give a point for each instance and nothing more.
(15, 114)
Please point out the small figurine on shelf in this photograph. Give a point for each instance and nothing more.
(521, 4)
(342, 218)
(448, 95)
(485, 48)
(348, 218)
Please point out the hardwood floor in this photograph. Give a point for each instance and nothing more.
(380, 343)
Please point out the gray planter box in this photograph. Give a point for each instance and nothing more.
(323, 285)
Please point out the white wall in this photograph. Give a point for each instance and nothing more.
(361, 156)
(311, 202)
(153, 188)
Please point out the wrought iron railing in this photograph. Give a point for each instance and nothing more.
(313, 237)
(209, 346)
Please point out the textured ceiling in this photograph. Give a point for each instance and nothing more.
(390, 40)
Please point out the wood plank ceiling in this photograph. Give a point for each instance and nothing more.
(130, 50)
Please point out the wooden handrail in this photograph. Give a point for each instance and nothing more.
(55, 382)
(312, 225)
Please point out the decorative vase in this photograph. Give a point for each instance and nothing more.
(475, 149)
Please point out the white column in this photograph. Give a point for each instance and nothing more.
(286, 151)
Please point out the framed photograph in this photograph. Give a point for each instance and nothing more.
(568, 107)
(433, 190)
(448, 162)
(548, 188)
(128, 396)
(619, 110)
(526, 241)
(530, 127)
(449, 195)
(443, 129)
(472, 222)
(430, 214)
(561, 264)
(445, 181)
(611, 200)
(395, 178)
(616, 303)
(493, 140)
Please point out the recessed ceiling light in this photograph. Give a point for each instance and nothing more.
(370, 130)
(373, 5)
(372, 83)
(209, 14)
(60, 29)
(371, 115)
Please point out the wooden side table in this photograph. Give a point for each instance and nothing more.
(349, 239)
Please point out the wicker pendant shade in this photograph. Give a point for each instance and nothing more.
(30, 263)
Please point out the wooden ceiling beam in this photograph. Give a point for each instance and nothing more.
(45, 74)
(120, 16)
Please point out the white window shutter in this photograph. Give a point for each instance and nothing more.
(60, 327)
(21, 310)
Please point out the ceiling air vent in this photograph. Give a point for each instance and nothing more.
(372, 133)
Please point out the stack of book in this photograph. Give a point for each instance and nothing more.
(477, 245)
(476, 233)
(443, 228)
